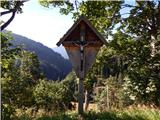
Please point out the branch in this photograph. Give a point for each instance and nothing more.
(7, 12)
(16, 7)
(9, 21)
(125, 14)
(158, 18)
(153, 26)
(127, 5)
(76, 5)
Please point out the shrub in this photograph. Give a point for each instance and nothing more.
(8, 112)
(24, 117)
(52, 96)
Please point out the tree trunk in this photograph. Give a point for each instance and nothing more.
(86, 100)
(153, 49)
(107, 98)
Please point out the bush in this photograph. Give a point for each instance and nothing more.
(8, 112)
(24, 117)
(52, 96)
(110, 95)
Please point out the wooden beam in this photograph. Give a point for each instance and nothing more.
(90, 43)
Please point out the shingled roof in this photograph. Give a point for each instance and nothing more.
(82, 18)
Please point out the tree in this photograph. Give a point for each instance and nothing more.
(144, 54)
(20, 73)
(137, 44)
(12, 7)
(103, 15)
(7, 53)
(7, 56)
(18, 83)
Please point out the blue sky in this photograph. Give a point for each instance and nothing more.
(44, 25)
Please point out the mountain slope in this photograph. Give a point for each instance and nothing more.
(52, 64)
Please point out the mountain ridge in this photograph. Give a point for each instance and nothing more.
(53, 65)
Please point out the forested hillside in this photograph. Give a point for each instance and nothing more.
(53, 65)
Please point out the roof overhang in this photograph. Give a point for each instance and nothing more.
(82, 18)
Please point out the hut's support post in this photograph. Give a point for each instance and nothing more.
(82, 59)
(80, 97)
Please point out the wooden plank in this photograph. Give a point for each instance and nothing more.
(75, 56)
(91, 43)
(90, 57)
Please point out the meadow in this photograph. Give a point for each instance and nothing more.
(133, 113)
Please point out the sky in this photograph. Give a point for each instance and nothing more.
(44, 25)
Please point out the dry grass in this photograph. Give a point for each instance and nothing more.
(91, 107)
(134, 112)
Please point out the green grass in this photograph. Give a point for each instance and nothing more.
(131, 114)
